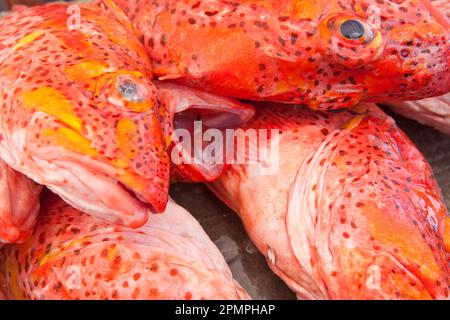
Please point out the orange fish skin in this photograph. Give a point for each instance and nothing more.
(19, 205)
(72, 255)
(293, 51)
(78, 111)
(354, 211)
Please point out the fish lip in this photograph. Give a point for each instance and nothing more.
(129, 208)
(108, 170)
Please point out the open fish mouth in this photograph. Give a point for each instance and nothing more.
(194, 113)
(102, 190)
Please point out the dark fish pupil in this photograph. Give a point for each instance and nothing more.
(128, 90)
(352, 29)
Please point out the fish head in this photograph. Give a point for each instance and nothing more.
(74, 256)
(90, 114)
(387, 49)
(325, 54)
(385, 223)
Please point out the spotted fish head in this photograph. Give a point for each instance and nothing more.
(325, 54)
(387, 49)
(88, 113)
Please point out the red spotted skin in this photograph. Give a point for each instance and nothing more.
(293, 51)
(353, 213)
(74, 256)
(64, 110)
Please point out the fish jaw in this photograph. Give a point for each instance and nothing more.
(19, 205)
(87, 96)
(93, 186)
(353, 213)
(187, 106)
(78, 257)
(298, 53)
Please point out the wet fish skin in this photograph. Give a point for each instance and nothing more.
(72, 255)
(354, 211)
(79, 112)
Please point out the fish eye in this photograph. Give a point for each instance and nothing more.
(129, 90)
(353, 29)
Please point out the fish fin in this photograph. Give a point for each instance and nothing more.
(168, 72)
(173, 71)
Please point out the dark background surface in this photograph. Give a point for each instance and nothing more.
(248, 266)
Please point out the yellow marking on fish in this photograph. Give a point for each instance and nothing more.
(354, 122)
(399, 232)
(112, 252)
(86, 71)
(59, 252)
(362, 110)
(125, 137)
(28, 39)
(132, 181)
(126, 133)
(143, 106)
(52, 102)
(71, 140)
(374, 278)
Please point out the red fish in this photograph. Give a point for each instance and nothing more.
(19, 205)
(78, 112)
(353, 212)
(434, 112)
(74, 256)
(326, 54)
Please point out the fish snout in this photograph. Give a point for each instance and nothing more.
(141, 160)
(134, 141)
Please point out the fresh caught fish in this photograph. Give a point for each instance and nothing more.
(434, 112)
(353, 212)
(78, 112)
(326, 54)
(72, 255)
(19, 205)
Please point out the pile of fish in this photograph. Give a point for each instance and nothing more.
(92, 97)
